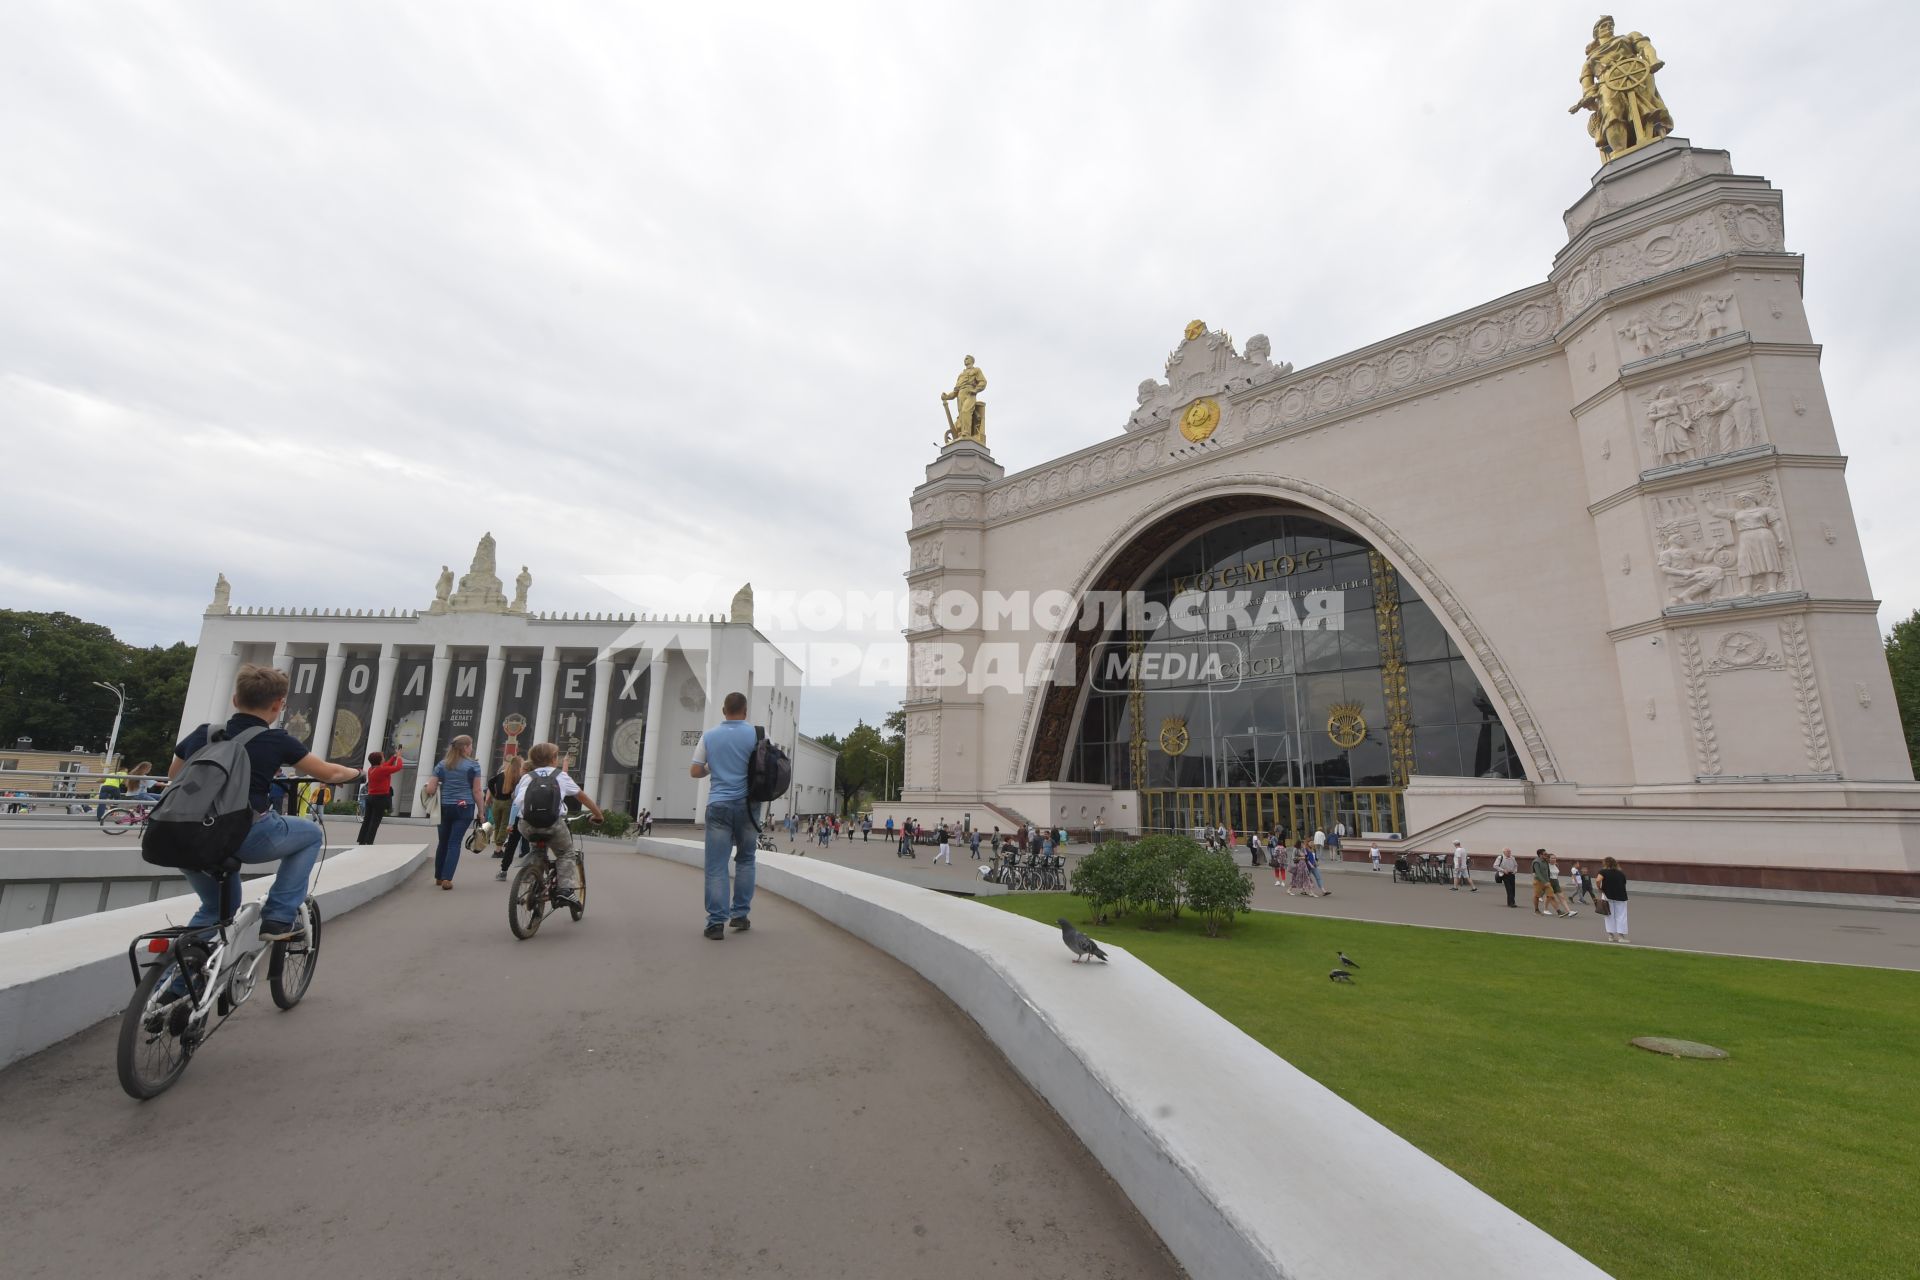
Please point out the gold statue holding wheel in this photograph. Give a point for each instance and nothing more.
(971, 422)
(1616, 85)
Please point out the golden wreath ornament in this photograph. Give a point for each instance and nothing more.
(1347, 725)
(1174, 738)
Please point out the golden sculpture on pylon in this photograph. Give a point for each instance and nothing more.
(1617, 86)
(971, 422)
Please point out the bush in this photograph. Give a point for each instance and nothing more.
(343, 806)
(1101, 877)
(1219, 889)
(616, 823)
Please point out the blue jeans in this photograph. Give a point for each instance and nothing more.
(453, 829)
(729, 831)
(294, 843)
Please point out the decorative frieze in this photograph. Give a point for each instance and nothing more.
(1806, 694)
(1706, 742)
(1703, 234)
(1707, 415)
(1678, 320)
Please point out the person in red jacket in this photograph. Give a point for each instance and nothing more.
(379, 792)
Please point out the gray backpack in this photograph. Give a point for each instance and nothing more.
(206, 812)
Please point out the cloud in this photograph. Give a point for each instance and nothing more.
(312, 295)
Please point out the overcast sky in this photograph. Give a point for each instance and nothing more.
(670, 289)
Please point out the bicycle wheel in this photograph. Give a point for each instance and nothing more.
(153, 1048)
(119, 820)
(291, 970)
(527, 900)
(580, 891)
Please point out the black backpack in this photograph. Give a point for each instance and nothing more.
(769, 769)
(541, 807)
(207, 810)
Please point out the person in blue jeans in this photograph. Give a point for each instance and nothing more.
(259, 699)
(457, 779)
(722, 756)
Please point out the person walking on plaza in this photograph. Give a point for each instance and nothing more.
(1553, 886)
(973, 843)
(1373, 856)
(1278, 863)
(723, 755)
(1613, 899)
(509, 816)
(946, 849)
(866, 828)
(1541, 879)
(378, 792)
(1462, 874)
(1504, 869)
(259, 700)
(456, 780)
(1335, 836)
(1582, 886)
(500, 802)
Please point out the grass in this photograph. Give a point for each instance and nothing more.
(1507, 1060)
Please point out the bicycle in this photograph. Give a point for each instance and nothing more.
(123, 818)
(188, 980)
(536, 888)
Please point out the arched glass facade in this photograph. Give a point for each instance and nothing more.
(1311, 681)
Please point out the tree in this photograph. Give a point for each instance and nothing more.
(48, 665)
(863, 764)
(1903, 663)
(1218, 889)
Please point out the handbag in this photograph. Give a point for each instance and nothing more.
(1604, 907)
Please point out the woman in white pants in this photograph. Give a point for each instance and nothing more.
(1613, 888)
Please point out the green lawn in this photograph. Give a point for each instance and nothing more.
(1507, 1060)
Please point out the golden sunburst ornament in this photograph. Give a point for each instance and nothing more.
(1174, 738)
(1195, 328)
(1347, 725)
(1200, 418)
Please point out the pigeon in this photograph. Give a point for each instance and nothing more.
(1340, 975)
(1080, 944)
(1351, 964)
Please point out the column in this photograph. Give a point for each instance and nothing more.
(650, 752)
(382, 698)
(549, 678)
(710, 715)
(220, 705)
(484, 744)
(283, 663)
(430, 733)
(329, 699)
(597, 725)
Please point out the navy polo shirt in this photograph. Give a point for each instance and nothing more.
(267, 752)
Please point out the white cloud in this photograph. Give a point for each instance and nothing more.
(670, 290)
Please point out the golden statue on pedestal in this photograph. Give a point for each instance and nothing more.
(971, 422)
(1616, 85)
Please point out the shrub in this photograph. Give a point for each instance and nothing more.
(1101, 877)
(1219, 889)
(1163, 886)
(343, 806)
(616, 823)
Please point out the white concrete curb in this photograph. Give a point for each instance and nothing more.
(1244, 1165)
(59, 979)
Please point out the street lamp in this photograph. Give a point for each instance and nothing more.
(113, 739)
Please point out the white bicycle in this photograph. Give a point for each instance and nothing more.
(190, 979)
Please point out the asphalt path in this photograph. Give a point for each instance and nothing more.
(618, 1097)
(1887, 939)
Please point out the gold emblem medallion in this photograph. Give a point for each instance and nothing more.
(1195, 328)
(1200, 418)
(1173, 735)
(1347, 725)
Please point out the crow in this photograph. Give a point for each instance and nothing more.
(1340, 975)
(1351, 964)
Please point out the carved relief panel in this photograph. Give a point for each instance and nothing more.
(1679, 320)
(1723, 541)
(1700, 416)
(1744, 686)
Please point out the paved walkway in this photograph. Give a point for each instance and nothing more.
(1787, 931)
(619, 1097)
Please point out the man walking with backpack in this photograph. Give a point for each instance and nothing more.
(723, 755)
(259, 699)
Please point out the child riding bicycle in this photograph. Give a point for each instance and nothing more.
(540, 806)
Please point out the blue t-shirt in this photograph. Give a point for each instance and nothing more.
(726, 748)
(266, 752)
(456, 784)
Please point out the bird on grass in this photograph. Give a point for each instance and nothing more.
(1346, 962)
(1340, 975)
(1080, 944)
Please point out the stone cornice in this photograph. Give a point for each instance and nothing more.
(1660, 368)
(1741, 463)
(1730, 610)
(1592, 306)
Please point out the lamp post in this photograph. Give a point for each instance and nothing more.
(113, 739)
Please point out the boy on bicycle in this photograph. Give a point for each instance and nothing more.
(544, 762)
(259, 700)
